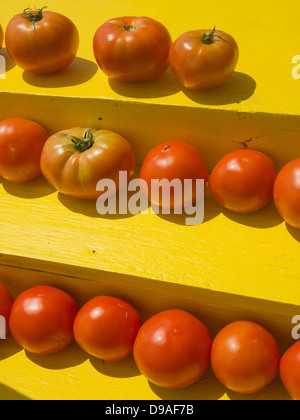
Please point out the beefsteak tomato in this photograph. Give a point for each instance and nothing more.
(21, 145)
(74, 160)
(41, 319)
(132, 49)
(41, 42)
(242, 181)
(245, 357)
(287, 193)
(202, 59)
(172, 349)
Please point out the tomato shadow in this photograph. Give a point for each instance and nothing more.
(8, 63)
(9, 347)
(207, 388)
(9, 394)
(69, 357)
(239, 88)
(88, 208)
(125, 368)
(78, 72)
(262, 219)
(294, 232)
(194, 216)
(36, 188)
(164, 85)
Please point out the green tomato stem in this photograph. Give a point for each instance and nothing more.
(81, 145)
(33, 17)
(209, 38)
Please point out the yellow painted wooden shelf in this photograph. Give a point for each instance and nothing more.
(229, 267)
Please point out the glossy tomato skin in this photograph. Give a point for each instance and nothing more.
(42, 318)
(287, 193)
(172, 349)
(47, 46)
(243, 180)
(6, 303)
(132, 49)
(245, 357)
(76, 173)
(170, 161)
(1, 36)
(290, 370)
(106, 327)
(21, 145)
(201, 66)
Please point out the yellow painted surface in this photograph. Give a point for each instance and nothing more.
(229, 267)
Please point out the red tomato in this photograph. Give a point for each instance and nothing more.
(203, 59)
(171, 161)
(106, 327)
(132, 49)
(245, 357)
(242, 181)
(290, 370)
(21, 144)
(41, 42)
(6, 303)
(287, 193)
(172, 349)
(74, 160)
(41, 319)
(1, 36)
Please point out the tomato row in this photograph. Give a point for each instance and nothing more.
(172, 348)
(128, 49)
(75, 160)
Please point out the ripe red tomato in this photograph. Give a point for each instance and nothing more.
(171, 161)
(203, 59)
(106, 327)
(1, 36)
(41, 42)
(74, 160)
(41, 319)
(290, 370)
(6, 303)
(287, 193)
(172, 349)
(242, 181)
(245, 357)
(132, 49)
(21, 144)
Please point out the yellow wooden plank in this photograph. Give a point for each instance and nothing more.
(72, 374)
(229, 267)
(267, 33)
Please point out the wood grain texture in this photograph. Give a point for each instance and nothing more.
(229, 267)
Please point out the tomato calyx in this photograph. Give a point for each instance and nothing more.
(209, 38)
(33, 15)
(81, 145)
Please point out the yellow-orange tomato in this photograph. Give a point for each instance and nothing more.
(1, 37)
(203, 59)
(41, 42)
(74, 160)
